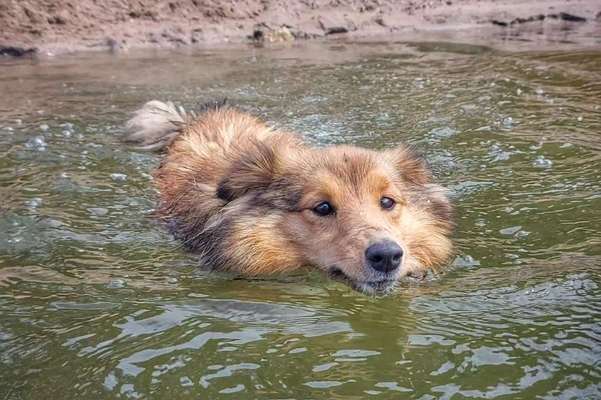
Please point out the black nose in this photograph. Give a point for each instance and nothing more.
(384, 256)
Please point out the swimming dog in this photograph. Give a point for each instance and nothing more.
(255, 200)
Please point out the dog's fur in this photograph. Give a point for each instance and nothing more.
(242, 196)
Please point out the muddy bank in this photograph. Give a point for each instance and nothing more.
(57, 26)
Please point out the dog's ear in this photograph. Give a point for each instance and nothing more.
(255, 170)
(409, 165)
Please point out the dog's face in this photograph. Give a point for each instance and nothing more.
(364, 217)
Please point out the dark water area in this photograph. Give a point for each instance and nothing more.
(98, 301)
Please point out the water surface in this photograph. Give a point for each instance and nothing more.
(98, 301)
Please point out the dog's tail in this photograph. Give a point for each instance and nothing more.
(154, 126)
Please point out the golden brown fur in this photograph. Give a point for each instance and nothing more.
(243, 196)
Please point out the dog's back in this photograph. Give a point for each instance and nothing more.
(203, 147)
(216, 126)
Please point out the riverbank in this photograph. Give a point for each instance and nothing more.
(50, 27)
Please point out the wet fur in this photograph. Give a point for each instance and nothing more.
(240, 194)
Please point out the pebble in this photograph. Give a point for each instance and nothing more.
(44, 127)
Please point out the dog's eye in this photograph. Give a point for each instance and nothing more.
(387, 203)
(323, 209)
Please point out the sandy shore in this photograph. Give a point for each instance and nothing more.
(50, 27)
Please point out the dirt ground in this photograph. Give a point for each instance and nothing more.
(58, 26)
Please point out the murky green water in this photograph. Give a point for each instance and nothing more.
(97, 301)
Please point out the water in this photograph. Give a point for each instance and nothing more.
(97, 301)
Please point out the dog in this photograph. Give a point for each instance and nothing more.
(254, 200)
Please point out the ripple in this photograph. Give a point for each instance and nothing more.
(323, 384)
(98, 300)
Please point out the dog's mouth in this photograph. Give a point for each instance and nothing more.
(373, 287)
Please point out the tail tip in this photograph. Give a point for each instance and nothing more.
(155, 125)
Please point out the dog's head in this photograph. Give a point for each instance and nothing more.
(364, 217)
